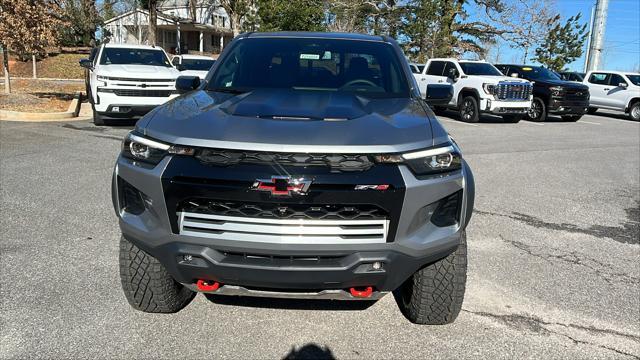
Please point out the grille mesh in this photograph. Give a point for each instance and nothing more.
(337, 162)
(283, 211)
(145, 93)
(519, 91)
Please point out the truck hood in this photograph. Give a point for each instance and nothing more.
(565, 84)
(496, 79)
(139, 71)
(291, 121)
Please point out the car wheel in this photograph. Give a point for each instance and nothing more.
(146, 283)
(634, 112)
(572, 118)
(98, 119)
(434, 294)
(469, 110)
(538, 111)
(512, 118)
(592, 110)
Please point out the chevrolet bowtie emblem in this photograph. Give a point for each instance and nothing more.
(282, 185)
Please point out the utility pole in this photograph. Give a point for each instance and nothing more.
(596, 39)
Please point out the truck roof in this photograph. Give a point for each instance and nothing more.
(309, 34)
(456, 60)
(132, 46)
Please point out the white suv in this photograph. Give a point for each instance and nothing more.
(478, 88)
(127, 81)
(614, 90)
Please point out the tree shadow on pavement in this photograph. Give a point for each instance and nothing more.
(310, 351)
(290, 304)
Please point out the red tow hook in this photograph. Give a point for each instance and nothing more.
(205, 285)
(361, 293)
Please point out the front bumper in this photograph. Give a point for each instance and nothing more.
(500, 107)
(568, 107)
(128, 105)
(411, 243)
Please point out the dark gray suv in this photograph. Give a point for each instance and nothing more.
(305, 165)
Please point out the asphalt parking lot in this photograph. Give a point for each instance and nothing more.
(554, 258)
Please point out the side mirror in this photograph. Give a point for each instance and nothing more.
(187, 83)
(453, 74)
(86, 63)
(623, 85)
(181, 67)
(439, 94)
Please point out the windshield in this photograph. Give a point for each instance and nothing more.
(538, 73)
(634, 78)
(367, 68)
(198, 64)
(479, 68)
(130, 56)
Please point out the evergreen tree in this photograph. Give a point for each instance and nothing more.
(563, 44)
(290, 15)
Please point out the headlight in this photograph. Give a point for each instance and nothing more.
(137, 147)
(556, 90)
(489, 88)
(438, 160)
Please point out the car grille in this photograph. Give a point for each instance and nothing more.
(576, 94)
(336, 162)
(144, 93)
(513, 91)
(283, 211)
(140, 80)
(283, 231)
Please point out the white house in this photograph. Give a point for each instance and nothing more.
(176, 31)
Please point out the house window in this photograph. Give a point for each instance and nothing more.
(171, 37)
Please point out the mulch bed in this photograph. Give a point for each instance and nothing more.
(39, 95)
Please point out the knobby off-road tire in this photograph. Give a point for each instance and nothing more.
(434, 294)
(146, 283)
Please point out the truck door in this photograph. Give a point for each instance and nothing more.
(431, 75)
(617, 95)
(598, 82)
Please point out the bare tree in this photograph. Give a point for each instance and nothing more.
(237, 10)
(527, 23)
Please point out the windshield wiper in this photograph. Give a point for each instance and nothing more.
(229, 90)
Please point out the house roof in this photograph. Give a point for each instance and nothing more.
(141, 11)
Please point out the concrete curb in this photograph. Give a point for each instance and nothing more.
(71, 113)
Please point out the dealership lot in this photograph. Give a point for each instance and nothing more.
(554, 258)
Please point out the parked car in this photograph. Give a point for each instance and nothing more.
(127, 81)
(571, 76)
(478, 88)
(195, 65)
(416, 68)
(614, 90)
(551, 95)
(308, 165)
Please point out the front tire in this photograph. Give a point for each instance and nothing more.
(571, 118)
(434, 294)
(147, 285)
(469, 110)
(538, 111)
(634, 112)
(98, 120)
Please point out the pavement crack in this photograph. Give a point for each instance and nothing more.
(628, 233)
(603, 270)
(532, 323)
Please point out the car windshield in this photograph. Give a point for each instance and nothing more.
(368, 68)
(538, 73)
(634, 78)
(133, 56)
(479, 68)
(198, 64)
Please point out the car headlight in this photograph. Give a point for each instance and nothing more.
(138, 147)
(489, 88)
(441, 159)
(556, 90)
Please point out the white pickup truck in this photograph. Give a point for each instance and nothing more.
(127, 81)
(614, 90)
(478, 88)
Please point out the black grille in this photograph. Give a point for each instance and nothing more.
(145, 93)
(279, 260)
(519, 91)
(336, 162)
(283, 211)
(577, 94)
